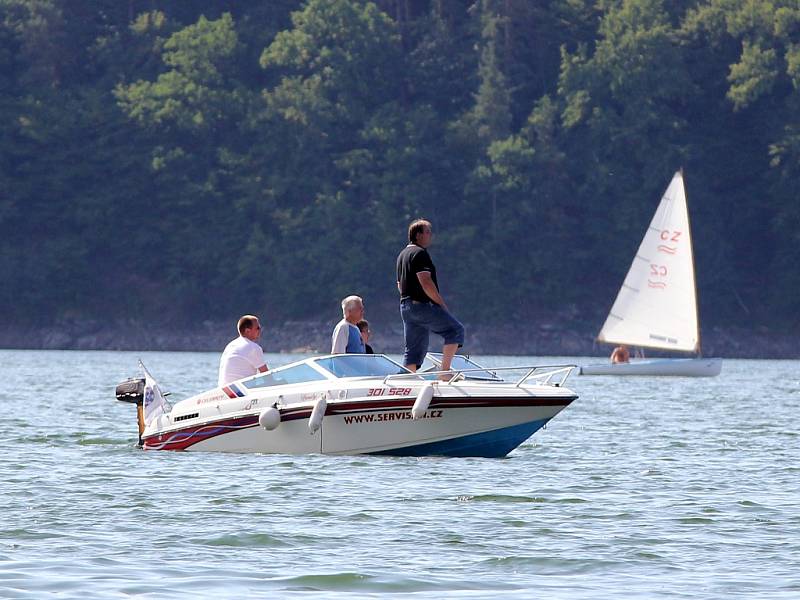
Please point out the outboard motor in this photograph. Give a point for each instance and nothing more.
(132, 390)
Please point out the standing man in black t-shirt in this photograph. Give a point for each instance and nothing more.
(421, 305)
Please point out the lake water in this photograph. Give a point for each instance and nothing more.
(642, 488)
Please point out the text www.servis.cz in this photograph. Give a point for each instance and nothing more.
(390, 416)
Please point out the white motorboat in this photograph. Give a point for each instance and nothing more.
(656, 307)
(356, 404)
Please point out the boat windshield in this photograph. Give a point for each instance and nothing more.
(297, 374)
(360, 365)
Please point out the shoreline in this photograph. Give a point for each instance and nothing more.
(546, 338)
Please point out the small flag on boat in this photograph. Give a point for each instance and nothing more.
(154, 403)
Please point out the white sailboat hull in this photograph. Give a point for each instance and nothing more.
(675, 367)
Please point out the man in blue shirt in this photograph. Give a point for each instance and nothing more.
(346, 338)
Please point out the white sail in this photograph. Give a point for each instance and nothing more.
(657, 304)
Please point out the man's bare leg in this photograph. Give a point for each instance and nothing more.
(412, 368)
(448, 352)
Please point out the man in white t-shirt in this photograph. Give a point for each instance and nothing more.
(242, 357)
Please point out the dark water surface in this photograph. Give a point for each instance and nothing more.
(642, 488)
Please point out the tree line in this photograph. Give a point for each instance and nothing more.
(203, 158)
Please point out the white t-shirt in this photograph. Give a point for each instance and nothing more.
(340, 336)
(241, 358)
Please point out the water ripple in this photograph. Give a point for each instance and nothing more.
(642, 488)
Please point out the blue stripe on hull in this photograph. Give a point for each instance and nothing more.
(489, 444)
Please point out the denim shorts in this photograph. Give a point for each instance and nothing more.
(419, 319)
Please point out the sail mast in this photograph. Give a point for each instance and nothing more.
(694, 269)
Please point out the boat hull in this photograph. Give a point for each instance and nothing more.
(495, 443)
(356, 404)
(474, 427)
(658, 367)
(481, 427)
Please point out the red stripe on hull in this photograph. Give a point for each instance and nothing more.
(181, 439)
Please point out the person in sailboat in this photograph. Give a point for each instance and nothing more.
(621, 354)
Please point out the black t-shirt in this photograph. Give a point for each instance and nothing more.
(412, 260)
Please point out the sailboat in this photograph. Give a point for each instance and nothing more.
(656, 307)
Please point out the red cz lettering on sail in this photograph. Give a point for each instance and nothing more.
(671, 236)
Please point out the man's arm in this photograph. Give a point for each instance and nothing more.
(339, 342)
(257, 359)
(426, 281)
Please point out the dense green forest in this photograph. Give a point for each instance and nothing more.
(197, 159)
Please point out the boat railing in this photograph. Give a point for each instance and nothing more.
(554, 375)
